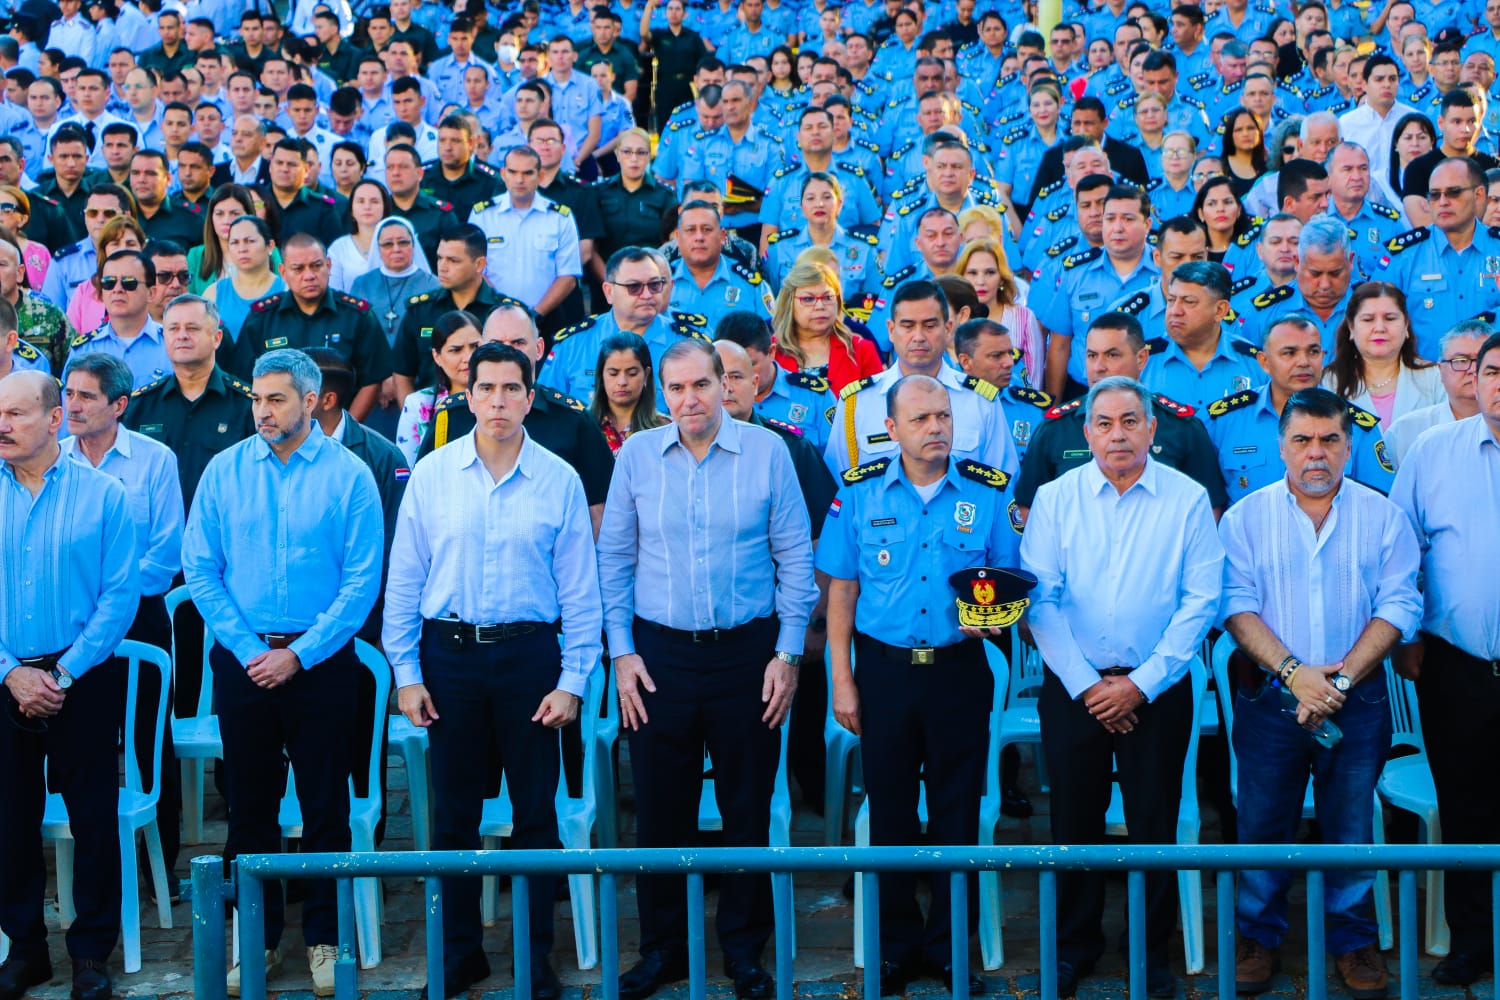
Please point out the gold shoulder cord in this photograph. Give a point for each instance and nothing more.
(849, 435)
(440, 430)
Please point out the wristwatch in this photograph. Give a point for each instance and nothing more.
(62, 677)
(790, 659)
(1342, 682)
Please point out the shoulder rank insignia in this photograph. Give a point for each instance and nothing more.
(568, 331)
(1014, 135)
(689, 319)
(149, 385)
(1172, 406)
(242, 388)
(1363, 418)
(808, 380)
(1035, 397)
(1060, 212)
(1062, 246)
(1244, 347)
(986, 389)
(563, 399)
(1073, 260)
(560, 208)
(480, 206)
(1229, 404)
(892, 280)
(453, 399)
(1269, 298)
(419, 299)
(1241, 285)
(1408, 239)
(749, 274)
(1249, 236)
(1384, 211)
(354, 301)
(867, 471)
(84, 338)
(27, 351)
(981, 473)
(854, 387)
(781, 234)
(783, 426)
(1158, 345)
(1064, 409)
(1050, 188)
(266, 304)
(1136, 304)
(869, 238)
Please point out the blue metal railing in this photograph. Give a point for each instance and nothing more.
(211, 890)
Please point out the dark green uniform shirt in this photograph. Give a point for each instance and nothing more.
(631, 218)
(675, 58)
(65, 224)
(1181, 442)
(343, 65)
(618, 56)
(195, 429)
(178, 220)
(310, 213)
(431, 218)
(556, 422)
(412, 353)
(479, 182)
(341, 322)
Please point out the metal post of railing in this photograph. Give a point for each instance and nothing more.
(1225, 903)
(786, 922)
(1046, 904)
(520, 925)
(958, 919)
(209, 890)
(1135, 901)
(251, 894)
(1406, 901)
(609, 936)
(1495, 926)
(697, 940)
(1317, 950)
(871, 930)
(433, 885)
(346, 965)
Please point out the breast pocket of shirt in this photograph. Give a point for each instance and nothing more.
(883, 550)
(547, 242)
(1245, 465)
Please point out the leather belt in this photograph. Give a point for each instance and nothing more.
(920, 656)
(280, 640)
(710, 636)
(1115, 671)
(454, 633)
(45, 662)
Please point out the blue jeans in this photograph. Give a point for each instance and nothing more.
(1275, 756)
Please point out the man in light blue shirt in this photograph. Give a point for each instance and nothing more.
(1292, 551)
(705, 563)
(494, 548)
(1197, 362)
(130, 334)
(282, 555)
(67, 594)
(1442, 477)
(1128, 568)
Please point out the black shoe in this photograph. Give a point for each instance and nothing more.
(945, 973)
(650, 974)
(1461, 968)
(751, 981)
(896, 976)
(544, 982)
(460, 974)
(90, 980)
(1014, 804)
(1160, 982)
(18, 975)
(1068, 975)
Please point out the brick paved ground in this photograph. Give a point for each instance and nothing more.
(824, 933)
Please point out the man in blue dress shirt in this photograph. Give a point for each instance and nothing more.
(1441, 478)
(473, 641)
(282, 555)
(1128, 566)
(1197, 362)
(890, 599)
(65, 604)
(705, 563)
(130, 333)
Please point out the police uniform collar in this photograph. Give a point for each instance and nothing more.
(1263, 399)
(1098, 483)
(727, 438)
(151, 331)
(307, 450)
(539, 202)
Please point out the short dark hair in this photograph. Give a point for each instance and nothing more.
(1159, 59)
(138, 255)
(301, 92)
(338, 374)
(112, 374)
(1127, 324)
(968, 333)
(1294, 177)
(745, 328)
(496, 353)
(157, 249)
(1206, 273)
(1491, 343)
(405, 85)
(1316, 402)
(918, 291)
(470, 235)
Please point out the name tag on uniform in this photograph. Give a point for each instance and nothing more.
(1432, 277)
(882, 522)
(1088, 296)
(1076, 453)
(275, 342)
(879, 439)
(425, 334)
(1246, 449)
(150, 428)
(497, 241)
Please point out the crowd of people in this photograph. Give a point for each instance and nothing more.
(701, 345)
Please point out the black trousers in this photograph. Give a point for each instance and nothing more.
(807, 756)
(1459, 697)
(483, 694)
(1081, 757)
(310, 719)
(152, 626)
(707, 695)
(79, 752)
(923, 723)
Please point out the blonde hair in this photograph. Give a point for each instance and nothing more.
(985, 214)
(807, 274)
(112, 231)
(638, 133)
(1005, 293)
(19, 197)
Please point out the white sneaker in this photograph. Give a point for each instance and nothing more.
(321, 957)
(273, 966)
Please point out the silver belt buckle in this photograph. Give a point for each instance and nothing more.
(488, 635)
(924, 656)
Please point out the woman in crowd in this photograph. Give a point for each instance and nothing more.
(347, 163)
(1375, 364)
(632, 217)
(822, 201)
(809, 330)
(982, 263)
(15, 212)
(210, 262)
(396, 270)
(624, 389)
(86, 310)
(981, 222)
(1244, 150)
(1172, 193)
(1022, 154)
(455, 336)
(1413, 137)
(1219, 210)
(351, 256)
(1150, 114)
(250, 247)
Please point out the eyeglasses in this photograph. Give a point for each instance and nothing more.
(1452, 194)
(395, 244)
(9, 206)
(165, 277)
(129, 284)
(1176, 154)
(634, 288)
(100, 213)
(1459, 362)
(808, 301)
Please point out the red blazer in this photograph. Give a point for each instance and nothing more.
(842, 368)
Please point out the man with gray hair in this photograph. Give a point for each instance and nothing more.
(282, 555)
(1349, 201)
(1128, 567)
(1460, 346)
(1325, 279)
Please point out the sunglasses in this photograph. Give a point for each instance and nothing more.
(94, 213)
(129, 284)
(9, 206)
(635, 288)
(162, 277)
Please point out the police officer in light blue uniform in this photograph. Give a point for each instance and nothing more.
(802, 399)
(1321, 290)
(856, 253)
(532, 240)
(1197, 302)
(950, 178)
(716, 156)
(704, 281)
(1244, 426)
(1371, 225)
(984, 349)
(782, 208)
(1443, 284)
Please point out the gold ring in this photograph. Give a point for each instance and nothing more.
(1329, 699)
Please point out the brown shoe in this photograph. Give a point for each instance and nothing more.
(1254, 965)
(1364, 973)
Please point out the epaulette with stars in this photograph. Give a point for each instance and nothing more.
(1059, 213)
(1384, 211)
(781, 234)
(1073, 260)
(1244, 347)
(1036, 397)
(27, 351)
(862, 236)
(988, 390)
(417, 300)
(1117, 88)
(783, 426)
(695, 320)
(981, 473)
(1136, 304)
(149, 386)
(1062, 246)
(450, 401)
(268, 303)
(902, 150)
(1063, 410)
(568, 331)
(1172, 406)
(1270, 298)
(562, 399)
(1408, 239)
(1363, 418)
(1229, 404)
(84, 338)
(353, 301)
(1252, 234)
(856, 386)
(783, 171)
(750, 274)
(1242, 285)
(811, 381)
(1158, 345)
(892, 280)
(243, 388)
(869, 470)
(850, 167)
(1014, 135)
(1050, 188)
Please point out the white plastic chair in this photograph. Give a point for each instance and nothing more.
(1223, 649)
(364, 811)
(991, 909)
(411, 742)
(840, 750)
(136, 815)
(1406, 784)
(194, 739)
(575, 824)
